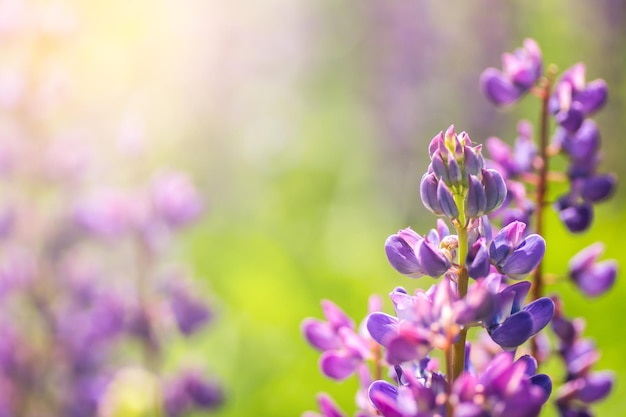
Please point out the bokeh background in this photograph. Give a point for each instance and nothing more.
(305, 124)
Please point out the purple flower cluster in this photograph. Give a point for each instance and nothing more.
(520, 72)
(85, 299)
(582, 386)
(486, 244)
(577, 137)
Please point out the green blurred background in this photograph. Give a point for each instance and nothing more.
(306, 124)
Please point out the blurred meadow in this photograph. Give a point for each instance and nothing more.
(305, 125)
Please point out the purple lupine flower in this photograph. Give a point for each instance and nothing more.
(574, 99)
(505, 388)
(576, 216)
(510, 324)
(328, 407)
(478, 261)
(415, 396)
(176, 201)
(107, 214)
(343, 349)
(515, 255)
(190, 390)
(580, 145)
(582, 386)
(512, 162)
(520, 72)
(323, 335)
(415, 256)
(424, 321)
(575, 208)
(454, 157)
(485, 194)
(591, 277)
(190, 312)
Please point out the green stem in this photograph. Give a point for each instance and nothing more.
(458, 349)
(542, 188)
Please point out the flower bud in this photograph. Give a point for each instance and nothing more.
(495, 190)
(448, 206)
(475, 200)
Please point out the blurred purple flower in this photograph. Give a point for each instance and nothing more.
(520, 72)
(591, 277)
(190, 390)
(176, 201)
(574, 99)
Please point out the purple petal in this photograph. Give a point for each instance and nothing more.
(593, 97)
(498, 88)
(428, 193)
(544, 382)
(597, 279)
(432, 261)
(478, 261)
(380, 325)
(519, 291)
(495, 190)
(454, 171)
(475, 200)
(402, 257)
(328, 407)
(542, 311)
(525, 257)
(336, 316)
(527, 405)
(383, 396)
(470, 410)
(599, 188)
(401, 349)
(507, 239)
(577, 218)
(337, 365)
(448, 206)
(514, 331)
(597, 386)
(500, 153)
(439, 167)
(474, 162)
(320, 334)
(572, 118)
(584, 259)
(584, 143)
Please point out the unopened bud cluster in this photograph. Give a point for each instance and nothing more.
(457, 185)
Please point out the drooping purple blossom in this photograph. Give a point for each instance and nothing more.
(190, 390)
(574, 98)
(343, 347)
(582, 386)
(591, 277)
(415, 256)
(520, 72)
(507, 387)
(515, 255)
(510, 323)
